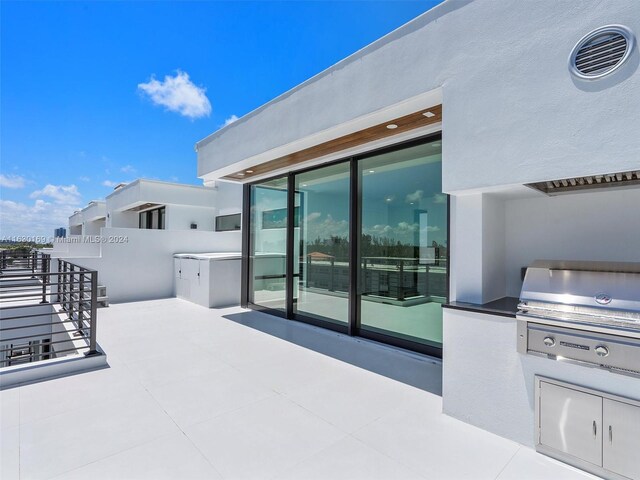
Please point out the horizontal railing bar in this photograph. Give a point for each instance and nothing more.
(40, 315)
(40, 294)
(66, 340)
(77, 271)
(70, 320)
(53, 354)
(30, 277)
(86, 294)
(31, 305)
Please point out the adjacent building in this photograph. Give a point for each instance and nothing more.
(60, 232)
(131, 236)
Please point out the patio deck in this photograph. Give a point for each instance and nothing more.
(199, 393)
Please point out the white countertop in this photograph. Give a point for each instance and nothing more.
(210, 256)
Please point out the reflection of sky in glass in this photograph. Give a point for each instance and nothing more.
(398, 189)
(393, 199)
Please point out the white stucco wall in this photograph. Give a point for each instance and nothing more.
(487, 383)
(493, 237)
(512, 112)
(602, 225)
(141, 268)
(180, 217)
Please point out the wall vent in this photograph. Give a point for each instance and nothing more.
(601, 52)
(576, 184)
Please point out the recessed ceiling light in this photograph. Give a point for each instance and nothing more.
(249, 171)
(372, 171)
(429, 114)
(392, 126)
(240, 174)
(304, 184)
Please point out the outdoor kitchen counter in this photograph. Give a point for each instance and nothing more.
(505, 306)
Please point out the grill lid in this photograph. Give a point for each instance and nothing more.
(586, 292)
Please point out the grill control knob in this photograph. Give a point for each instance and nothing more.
(549, 341)
(601, 351)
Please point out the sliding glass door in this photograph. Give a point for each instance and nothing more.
(268, 244)
(321, 246)
(402, 274)
(360, 246)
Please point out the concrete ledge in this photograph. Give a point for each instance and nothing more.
(17, 375)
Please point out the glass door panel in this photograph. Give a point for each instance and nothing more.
(321, 244)
(402, 274)
(268, 244)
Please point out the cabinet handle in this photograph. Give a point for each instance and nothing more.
(595, 429)
(610, 434)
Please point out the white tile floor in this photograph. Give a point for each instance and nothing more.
(195, 393)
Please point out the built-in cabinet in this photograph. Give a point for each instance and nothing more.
(592, 430)
(208, 279)
(621, 446)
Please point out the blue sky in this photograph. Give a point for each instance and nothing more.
(95, 93)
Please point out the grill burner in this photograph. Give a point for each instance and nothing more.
(586, 312)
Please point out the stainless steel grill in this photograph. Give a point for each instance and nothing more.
(586, 312)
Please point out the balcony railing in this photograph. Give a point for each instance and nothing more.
(47, 309)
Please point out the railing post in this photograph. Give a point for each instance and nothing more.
(59, 283)
(94, 314)
(401, 281)
(331, 275)
(44, 289)
(81, 299)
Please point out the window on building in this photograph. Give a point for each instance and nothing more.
(227, 223)
(152, 219)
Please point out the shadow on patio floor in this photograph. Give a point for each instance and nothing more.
(406, 367)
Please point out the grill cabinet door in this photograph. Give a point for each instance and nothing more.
(621, 438)
(571, 422)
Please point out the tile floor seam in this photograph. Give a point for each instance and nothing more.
(380, 452)
(191, 442)
(135, 445)
(106, 457)
(191, 425)
(508, 462)
(395, 460)
(184, 433)
(315, 414)
(66, 412)
(307, 457)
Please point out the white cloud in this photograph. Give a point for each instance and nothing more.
(41, 218)
(109, 183)
(61, 194)
(12, 181)
(128, 169)
(84, 179)
(230, 120)
(439, 198)
(313, 216)
(178, 94)
(414, 197)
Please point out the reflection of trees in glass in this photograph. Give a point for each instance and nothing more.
(371, 246)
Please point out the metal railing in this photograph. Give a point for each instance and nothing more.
(43, 313)
(21, 261)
